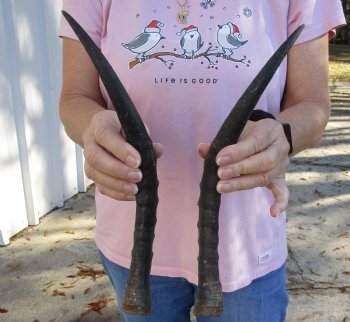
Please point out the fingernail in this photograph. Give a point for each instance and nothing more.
(223, 187)
(131, 188)
(222, 161)
(135, 176)
(225, 173)
(132, 162)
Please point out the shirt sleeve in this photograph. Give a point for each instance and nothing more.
(319, 16)
(88, 13)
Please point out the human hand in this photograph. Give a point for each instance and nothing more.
(259, 159)
(109, 160)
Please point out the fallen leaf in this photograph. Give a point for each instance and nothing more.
(339, 248)
(69, 285)
(14, 238)
(46, 233)
(2, 310)
(56, 242)
(344, 234)
(72, 232)
(97, 306)
(58, 293)
(47, 286)
(27, 238)
(342, 289)
(87, 290)
(88, 271)
(346, 273)
(48, 283)
(323, 252)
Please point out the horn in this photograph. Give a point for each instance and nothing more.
(137, 294)
(209, 300)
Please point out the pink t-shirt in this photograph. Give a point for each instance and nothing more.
(184, 102)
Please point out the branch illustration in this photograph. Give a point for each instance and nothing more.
(168, 62)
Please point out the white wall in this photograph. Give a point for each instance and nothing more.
(39, 166)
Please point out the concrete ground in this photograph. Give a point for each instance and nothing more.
(51, 272)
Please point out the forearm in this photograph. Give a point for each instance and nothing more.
(307, 120)
(76, 112)
(306, 104)
(81, 97)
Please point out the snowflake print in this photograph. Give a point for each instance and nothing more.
(247, 12)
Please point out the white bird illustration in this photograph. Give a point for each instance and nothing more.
(228, 37)
(147, 40)
(191, 40)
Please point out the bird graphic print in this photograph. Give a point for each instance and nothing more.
(197, 44)
(191, 40)
(146, 40)
(228, 38)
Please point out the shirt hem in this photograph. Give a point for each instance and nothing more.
(191, 277)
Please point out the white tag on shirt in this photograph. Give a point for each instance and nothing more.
(264, 258)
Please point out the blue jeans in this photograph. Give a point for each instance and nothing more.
(264, 300)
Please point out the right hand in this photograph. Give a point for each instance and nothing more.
(111, 161)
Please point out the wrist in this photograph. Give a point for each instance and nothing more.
(287, 133)
(258, 115)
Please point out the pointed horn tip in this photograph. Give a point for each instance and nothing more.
(298, 31)
(73, 23)
(64, 13)
(68, 17)
(301, 27)
(292, 38)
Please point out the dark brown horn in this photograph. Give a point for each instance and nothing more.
(137, 295)
(209, 300)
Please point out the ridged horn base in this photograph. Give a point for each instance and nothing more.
(210, 301)
(134, 307)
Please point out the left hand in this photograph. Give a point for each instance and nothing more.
(259, 159)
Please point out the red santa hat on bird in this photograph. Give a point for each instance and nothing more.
(234, 29)
(154, 26)
(186, 30)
